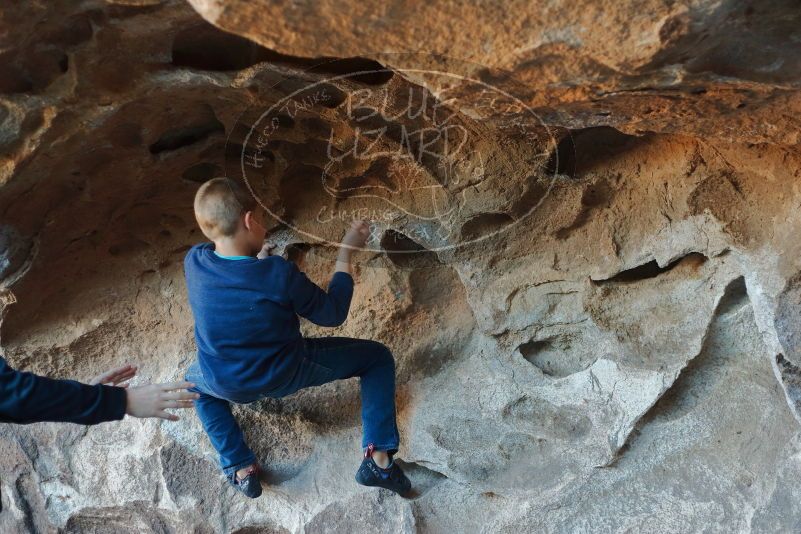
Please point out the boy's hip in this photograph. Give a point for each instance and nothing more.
(206, 383)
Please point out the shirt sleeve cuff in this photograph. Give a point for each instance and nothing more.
(117, 402)
(345, 274)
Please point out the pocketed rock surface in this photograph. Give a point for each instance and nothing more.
(594, 305)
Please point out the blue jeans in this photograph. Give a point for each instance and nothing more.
(324, 360)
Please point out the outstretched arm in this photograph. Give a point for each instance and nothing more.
(29, 398)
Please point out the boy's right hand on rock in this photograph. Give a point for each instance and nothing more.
(357, 234)
(266, 250)
(153, 400)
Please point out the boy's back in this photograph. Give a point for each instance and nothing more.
(246, 324)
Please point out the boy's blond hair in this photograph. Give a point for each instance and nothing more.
(219, 203)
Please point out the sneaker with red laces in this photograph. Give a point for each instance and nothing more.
(250, 485)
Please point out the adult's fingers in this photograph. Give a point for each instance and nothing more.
(167, 415)
(115, 375)
(172, 386)
(180, 395)
(177, 404)
(122, 377)
(121, 370)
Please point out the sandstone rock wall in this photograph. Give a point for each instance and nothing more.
(594, 313)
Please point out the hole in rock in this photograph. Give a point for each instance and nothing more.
(259, 530)
(423, 479)
(563, 159)
(652, 269)
(735, 297)
(555, 356)
(405, 252)
(359, 69)
(580, 151)
(206, 47)
(185, 136)
(64, 63)
(485, 223)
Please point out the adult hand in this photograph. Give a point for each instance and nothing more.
(115, 377)
(152, 400)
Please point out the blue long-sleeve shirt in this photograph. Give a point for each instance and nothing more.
(29, 398)
(246, 317)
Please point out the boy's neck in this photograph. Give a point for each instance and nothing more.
(229, 247)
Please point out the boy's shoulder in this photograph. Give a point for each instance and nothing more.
(278, 265)
(274, 264)
(197, 247)
(196, 250)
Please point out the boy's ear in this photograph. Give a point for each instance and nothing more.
(248, 219)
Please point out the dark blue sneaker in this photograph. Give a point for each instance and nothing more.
(250, 485)
(391, 477)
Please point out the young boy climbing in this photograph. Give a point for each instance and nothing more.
(249, 341)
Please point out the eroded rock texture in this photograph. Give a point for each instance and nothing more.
(593, 304)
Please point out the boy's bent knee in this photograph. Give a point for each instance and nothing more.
(384, 354)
